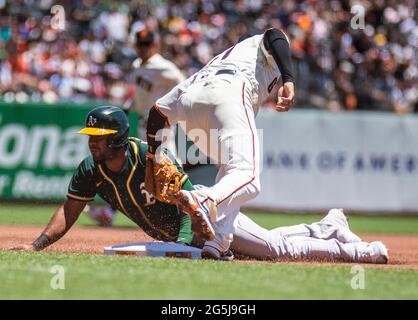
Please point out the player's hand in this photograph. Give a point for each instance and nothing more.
(23, 247)
(285, 97)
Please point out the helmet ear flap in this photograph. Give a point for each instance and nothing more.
(118, 141)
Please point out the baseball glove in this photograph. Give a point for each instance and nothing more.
(162, 177)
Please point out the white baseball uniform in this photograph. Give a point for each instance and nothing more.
(317, 241)
(225, 96)
(322, 240)
(154, 78)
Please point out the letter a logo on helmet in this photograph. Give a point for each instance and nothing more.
(91, 121)
(108, 120)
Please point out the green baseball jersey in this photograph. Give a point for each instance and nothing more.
(125, 191)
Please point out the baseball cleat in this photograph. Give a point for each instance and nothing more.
(212, 253)
(337, 218)
(198, 212)
(373, 252)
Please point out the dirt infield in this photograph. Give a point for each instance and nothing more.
(403, 249)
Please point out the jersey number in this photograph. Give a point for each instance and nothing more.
(148, 197)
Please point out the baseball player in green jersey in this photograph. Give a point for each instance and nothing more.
(125, 191)
(115, 171)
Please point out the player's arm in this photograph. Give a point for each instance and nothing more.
(186, 234)
(277, 44)
(62, 220)
(156, 122)
(80, 190)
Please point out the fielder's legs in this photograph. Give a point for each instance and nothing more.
(333, 226)
(221, 108)
(221, 105)
(256, 242)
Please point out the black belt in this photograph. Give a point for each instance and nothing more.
(225, 71)
(222, 71)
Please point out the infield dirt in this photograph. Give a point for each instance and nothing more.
(403, 249)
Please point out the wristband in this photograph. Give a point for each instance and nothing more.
(42, 242)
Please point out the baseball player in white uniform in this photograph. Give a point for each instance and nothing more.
(330, 239)
(154, 77)
(225, 96)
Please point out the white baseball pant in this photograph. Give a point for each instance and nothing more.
(217, 108)
(314, 241)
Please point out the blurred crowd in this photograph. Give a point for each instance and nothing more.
(340, 63)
